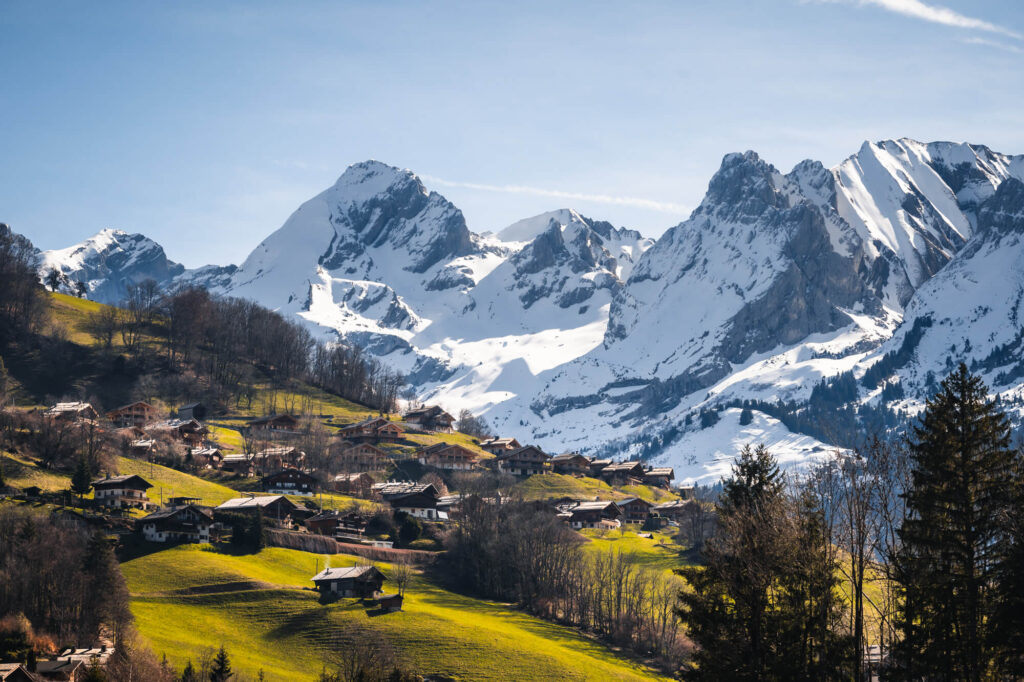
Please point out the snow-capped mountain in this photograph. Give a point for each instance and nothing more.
(842, 289)
(111, 260)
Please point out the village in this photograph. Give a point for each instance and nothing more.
(386, 487)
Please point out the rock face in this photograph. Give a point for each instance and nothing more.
(871, 276)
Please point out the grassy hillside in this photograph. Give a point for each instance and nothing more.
(174, 483)
(557, 485)
(261, 609)
(20, 472)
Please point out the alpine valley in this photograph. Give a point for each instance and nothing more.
(798, 309)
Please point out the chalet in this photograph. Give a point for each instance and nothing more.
(373, 430)
(422, 505)
(206, 458)
(240, 465)
(361, 457)
(15, 672)
(571, 464)
(334, 523)
(188, 431)
(289, 482)
(137, 414)
(358, 484)
(597, 466)
(619, 473)
(525, 461)
(175, 501)
(71, 670)
(352, 581)
(195, 411)
(277, 423)
(450, 504)
(274, 506)
(179, 523)
(634, 509)
(71, 412)
(448, 456)
(596, 514)
(674, 510)
(279, 457)
(430, 418)
(660, 477)
(687, 492)
(389, 603)
(122, 492)
(496, 445)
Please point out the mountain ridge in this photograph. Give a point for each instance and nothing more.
(576, 334)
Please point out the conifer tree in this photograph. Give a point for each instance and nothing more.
(81, 480)
(220, 671)
(189, 674)
(956, 536)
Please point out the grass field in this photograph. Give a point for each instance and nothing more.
(260, 608)
(557, 485)
(22, 473)
(658, 552)
(173, 483)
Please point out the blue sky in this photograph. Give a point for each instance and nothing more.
(204, 125)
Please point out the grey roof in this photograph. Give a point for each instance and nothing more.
(251, 502)
(634, 499)
(566, 456)
(169, 512)
(343, 573)
(401, 488)
(114, 481)
(595, 505)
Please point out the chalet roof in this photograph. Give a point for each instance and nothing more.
(622, 467)
(591, 505)
(137, 402)
(253, 502)
(349, 572)
(289, 471)
(231, 459)
(441, 447)
(177, 424)
(65, 667)
(396, 488)
(661, 471)
(69, 408)
(448, 500)
(568, 457)
(205, 452)
(634, 500)
(122, 481)
(190, 406)
(668, 506)
(430, 412)
(600, 462)
(171, 512)
(350, 478)
(8, 669)
(519, 452)
(499, 441)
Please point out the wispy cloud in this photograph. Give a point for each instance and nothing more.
(933, 13)
(993, 43)
(637, 202)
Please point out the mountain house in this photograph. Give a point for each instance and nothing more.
(353, 581)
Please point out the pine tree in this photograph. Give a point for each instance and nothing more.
(189, 674)
(94, 673)
(220, 671)
(81, 480)
(727, 611)
(956, 535)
